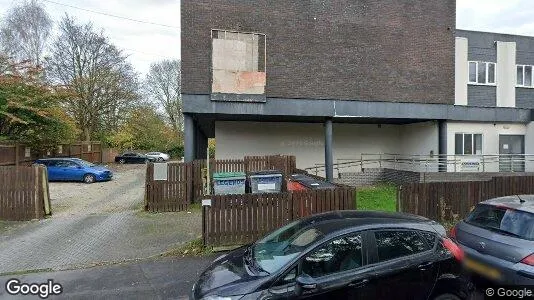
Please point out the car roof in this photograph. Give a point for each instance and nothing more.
(514, 202)
(331, 222)
(59, 158)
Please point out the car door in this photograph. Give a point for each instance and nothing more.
(53, 170)
(403, 265)
(337, 269)
(72, 171)
(128, 157)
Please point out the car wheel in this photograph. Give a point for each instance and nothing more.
(447, 297)
(122, 161)
(160, 158)
(89, 178)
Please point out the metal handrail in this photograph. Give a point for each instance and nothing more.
(426, 162)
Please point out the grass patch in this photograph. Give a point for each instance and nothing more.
(24, 272)
(193, 248)
(381, 197)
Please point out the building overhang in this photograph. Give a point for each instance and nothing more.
(349, 111)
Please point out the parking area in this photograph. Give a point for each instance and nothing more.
(95, 224)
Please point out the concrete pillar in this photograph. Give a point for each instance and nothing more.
(189, 138)
(201, 144)
(442, 145)
(461, 73)
(506, 74)
(328, 156)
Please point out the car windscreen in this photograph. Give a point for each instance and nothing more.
(505, 220)
(278, 248)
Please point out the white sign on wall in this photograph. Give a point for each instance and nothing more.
(471, 164)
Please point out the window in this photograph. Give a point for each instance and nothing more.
(341, 254)
(66, 164)
(504, 220)
(524, 76)
(481, 72)
(394, 244)
(468, 144)
(238, 62)
(275, 250)
(429, 237)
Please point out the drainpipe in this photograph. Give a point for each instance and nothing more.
(328, 156)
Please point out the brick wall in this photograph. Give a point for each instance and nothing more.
(481, 47)
(388, 50)
(466, 176)
(372, 176)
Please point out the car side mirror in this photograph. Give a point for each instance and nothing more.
(304, 283)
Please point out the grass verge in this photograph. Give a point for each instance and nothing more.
(193, 248)
(381, 197)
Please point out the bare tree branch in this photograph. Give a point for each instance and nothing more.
(25, 31)
(105, 84)
(163, 86)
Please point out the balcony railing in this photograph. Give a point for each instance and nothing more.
(434, 163)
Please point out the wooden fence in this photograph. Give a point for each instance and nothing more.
(173, 194)
(452, 201)
(14, 154)
(186, 181)
(24, 193)
(240, 219)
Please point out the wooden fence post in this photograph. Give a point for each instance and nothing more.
(17, 154)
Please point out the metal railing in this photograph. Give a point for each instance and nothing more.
(434, 163)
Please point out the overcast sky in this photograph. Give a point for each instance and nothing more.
(147, 43)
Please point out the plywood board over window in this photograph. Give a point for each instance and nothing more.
(238, 63)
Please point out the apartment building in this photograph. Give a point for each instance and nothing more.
(329, 81)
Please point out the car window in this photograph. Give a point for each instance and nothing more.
(429, 237)
(341, 254)
(42, 162)
(127, 154)
(66, 164)
(504, 220)
(394, 244)
(275, 250)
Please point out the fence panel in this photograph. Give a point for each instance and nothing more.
(451, 201)
(172, 194)
(240, 219)
(24, 193)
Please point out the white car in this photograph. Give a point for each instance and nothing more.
(158, 156)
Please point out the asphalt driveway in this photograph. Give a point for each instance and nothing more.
(169, 278)
(95, 224)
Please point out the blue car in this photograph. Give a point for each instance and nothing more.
(74, 169)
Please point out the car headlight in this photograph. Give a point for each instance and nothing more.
(215, 297)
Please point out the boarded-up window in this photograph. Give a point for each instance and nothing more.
(238, 63)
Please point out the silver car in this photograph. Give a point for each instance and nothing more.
(158, 156)
(498, 240)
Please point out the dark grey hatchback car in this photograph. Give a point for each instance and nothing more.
(498, 240)
(341, 255)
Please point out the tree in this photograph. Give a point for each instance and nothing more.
(105, 85)
(25, 32)
(31, 112)
(145, 129)
(163, 86)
